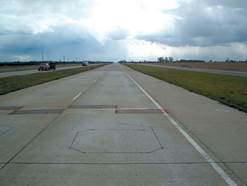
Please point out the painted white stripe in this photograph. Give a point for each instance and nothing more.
(77, 96)
(203, 153)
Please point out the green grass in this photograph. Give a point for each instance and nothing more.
(17, 68)
(230, 90)
(14, 83)
(29, 67)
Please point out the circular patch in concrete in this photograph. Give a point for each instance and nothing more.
(116, 141)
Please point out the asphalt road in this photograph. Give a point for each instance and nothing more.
(115, 126)
(26, 72)
(224, 72)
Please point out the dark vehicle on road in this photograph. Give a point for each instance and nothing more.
(47, 66)
(52, 66)
(84, 63)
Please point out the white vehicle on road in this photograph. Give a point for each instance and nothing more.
(47, 66)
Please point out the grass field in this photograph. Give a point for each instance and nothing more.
(29, 67)
(229, 90)
(14, 83)
(242, 67)
(17, 68)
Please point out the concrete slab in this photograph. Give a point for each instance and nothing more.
(4, 112)
(239, 169)
(142, 140)
(54, 144)
(17, 131)
(115, 89)
(111, 174)
(122, 157)
(53, 94)
(221, 129)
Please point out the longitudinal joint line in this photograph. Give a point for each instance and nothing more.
(189, 138)
(83, 91)
(29, 142)
(34, 137)
(138, 163)
(110, 163)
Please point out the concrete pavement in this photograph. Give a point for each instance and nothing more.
(100, 128)
(219, 128)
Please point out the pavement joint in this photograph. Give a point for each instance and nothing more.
(93, 107)
(37, 111)
(157, 138)
(118, 163)
(83, 91)
(52, 149)
(40, 132)
(151, 149)
(29, 142)
(218, 169)
(112, 152)
(86, 107)
(138, 111)
(14, 108)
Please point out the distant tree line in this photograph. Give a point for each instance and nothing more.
(171, 60)
(165, 59)
(191, 61)
(18, 63)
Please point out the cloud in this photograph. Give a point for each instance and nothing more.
(119, 34)
(117, 29)
(205, 24)
(59, 43)
(143, 50)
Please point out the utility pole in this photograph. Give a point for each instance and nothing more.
(42, 56)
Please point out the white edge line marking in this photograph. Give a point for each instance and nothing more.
(204, 154)
(77, 96)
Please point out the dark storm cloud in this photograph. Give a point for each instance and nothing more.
(206, 23)
(57, 44)
(193, 29)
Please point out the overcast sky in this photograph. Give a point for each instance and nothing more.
(123, 29)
